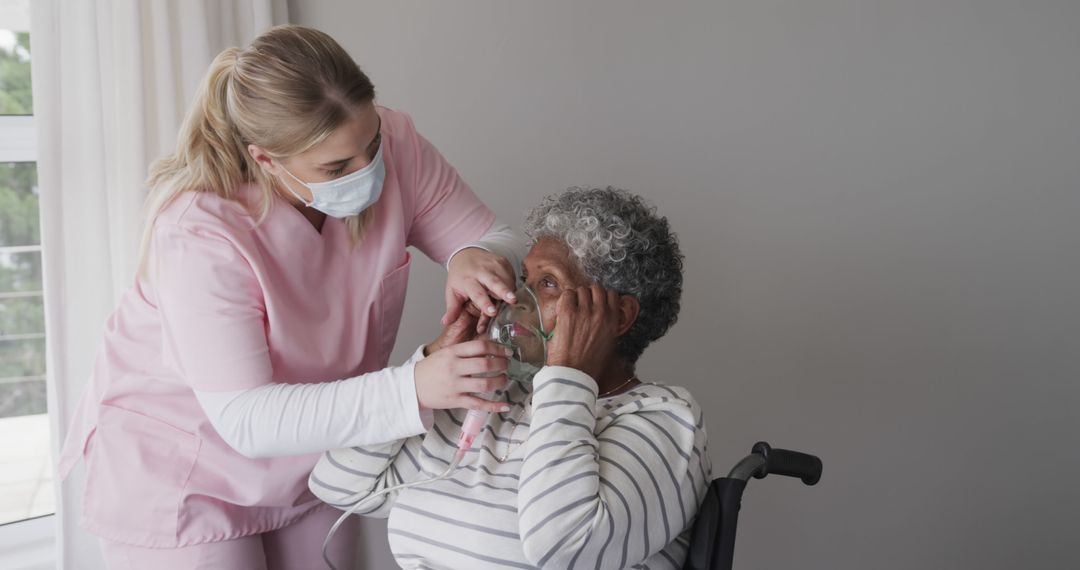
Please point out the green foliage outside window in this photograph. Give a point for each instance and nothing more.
(22, 351)
(15, 77)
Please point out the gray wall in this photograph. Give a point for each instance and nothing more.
(878, 202)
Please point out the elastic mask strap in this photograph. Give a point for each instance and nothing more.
(544, 335)
(302, 183)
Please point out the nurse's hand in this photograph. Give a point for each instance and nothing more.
(477, 276)
(449, 377)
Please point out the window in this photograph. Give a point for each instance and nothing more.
(25, 463)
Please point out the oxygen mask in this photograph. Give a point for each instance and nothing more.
(520, 327)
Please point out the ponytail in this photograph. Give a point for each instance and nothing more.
(209, 143)
(285, 93)
(210, 155)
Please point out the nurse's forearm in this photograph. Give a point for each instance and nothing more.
(291, 419)
(502, 240)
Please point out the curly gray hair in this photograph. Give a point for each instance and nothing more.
(619, 241)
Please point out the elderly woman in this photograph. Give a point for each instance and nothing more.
(592, 466)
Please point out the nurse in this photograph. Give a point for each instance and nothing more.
(258, 330)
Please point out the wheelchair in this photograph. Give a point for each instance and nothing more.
(712, 542)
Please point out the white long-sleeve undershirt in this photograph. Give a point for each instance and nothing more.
(501, 240)
(289, 419)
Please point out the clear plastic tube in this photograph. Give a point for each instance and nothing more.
(361, 498)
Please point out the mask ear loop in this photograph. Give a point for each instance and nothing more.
(293, 192)
(545, 336)
(542, 333)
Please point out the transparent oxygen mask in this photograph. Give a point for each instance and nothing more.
(520, 326)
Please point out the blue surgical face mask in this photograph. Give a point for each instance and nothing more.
(348, 195)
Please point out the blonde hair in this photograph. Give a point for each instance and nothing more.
(286, 92)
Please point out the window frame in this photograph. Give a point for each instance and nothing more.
(28, 543)
(18, 138)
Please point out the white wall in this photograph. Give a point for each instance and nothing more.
(878, 202)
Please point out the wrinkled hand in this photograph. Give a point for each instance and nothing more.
(477, 276)
(447, 378)
(463, 329)
(586, 328)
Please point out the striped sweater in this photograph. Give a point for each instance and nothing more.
(586, 483)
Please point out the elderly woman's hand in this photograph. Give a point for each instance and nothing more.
(463, 329)
(586, 328)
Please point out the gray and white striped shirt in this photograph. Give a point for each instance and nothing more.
(597, 483)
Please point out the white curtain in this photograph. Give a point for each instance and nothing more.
(111, 80)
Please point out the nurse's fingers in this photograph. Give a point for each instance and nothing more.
(482, 385)
(500, 281)
(485, 365)
(454, 305)
(482, 405)
(478, 347)
(479, 297)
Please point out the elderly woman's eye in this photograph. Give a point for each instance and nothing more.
(545, 282)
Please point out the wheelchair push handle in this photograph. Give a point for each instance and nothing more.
(788, 463)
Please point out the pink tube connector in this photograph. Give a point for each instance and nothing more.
(470, 428)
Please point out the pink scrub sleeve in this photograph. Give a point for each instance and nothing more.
(212, 311)
(445, 208)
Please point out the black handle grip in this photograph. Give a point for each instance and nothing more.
(788, 463)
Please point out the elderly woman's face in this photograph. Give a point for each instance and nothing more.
(548, 270)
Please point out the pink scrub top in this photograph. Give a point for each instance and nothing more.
(233, 305)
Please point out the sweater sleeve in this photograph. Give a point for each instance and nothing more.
(348, 475)
(607, 494)
(345, 476)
